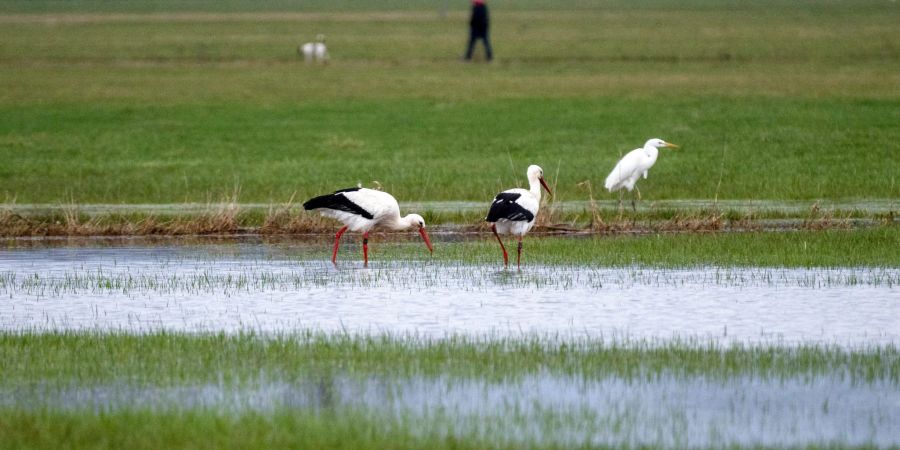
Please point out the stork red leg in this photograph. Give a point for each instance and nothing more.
(519, 257)
(366, 249)
(505, 256)
(337, 240)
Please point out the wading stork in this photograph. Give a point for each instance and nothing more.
(513, 211)
(630, 168)
(362, 209)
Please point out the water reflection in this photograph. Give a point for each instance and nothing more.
(549, 409)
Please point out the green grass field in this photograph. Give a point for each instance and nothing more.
(778, 100)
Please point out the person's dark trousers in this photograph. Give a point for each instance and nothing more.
(473, 37)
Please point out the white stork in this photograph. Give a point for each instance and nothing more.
(513, 211)
(362, 209)
(630, 168)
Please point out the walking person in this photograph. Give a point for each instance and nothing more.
(479, 26)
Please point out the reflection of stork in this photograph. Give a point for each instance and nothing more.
(634, 164)
(315, 51)
(325, 393)
(362, 209)
(514, 210)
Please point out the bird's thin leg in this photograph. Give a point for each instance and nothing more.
(621, 209)
(505, 256)
(337, 240)
(366, 249)
(519, 256)
(633, 201)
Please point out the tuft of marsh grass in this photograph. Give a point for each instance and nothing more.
(163, 358)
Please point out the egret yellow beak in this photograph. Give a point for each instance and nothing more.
(671, 145)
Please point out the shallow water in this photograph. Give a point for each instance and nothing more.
(548, 409)
(252, 285)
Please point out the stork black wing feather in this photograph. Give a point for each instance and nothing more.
(338, 202)
(505, 207)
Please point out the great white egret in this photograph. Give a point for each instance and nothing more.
(630, 168)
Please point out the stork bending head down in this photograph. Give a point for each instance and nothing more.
(361, 209)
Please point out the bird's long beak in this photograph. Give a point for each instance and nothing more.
(544, 184)
(671, 145)
(425, 238)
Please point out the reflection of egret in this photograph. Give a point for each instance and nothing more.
(513, 211)
(362, 209)
(632, 166)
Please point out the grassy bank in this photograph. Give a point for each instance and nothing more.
(601, 217)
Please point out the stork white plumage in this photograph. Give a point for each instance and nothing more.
(362, 209)
(514, 210)
(630, 168)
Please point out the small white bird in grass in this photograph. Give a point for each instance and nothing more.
(514, 211)
(634, 164)
(362, 209)
(315, 51)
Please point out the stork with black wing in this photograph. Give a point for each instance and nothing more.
(514, 210)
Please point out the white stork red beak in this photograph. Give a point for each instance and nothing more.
(544, 184)
(425, 238)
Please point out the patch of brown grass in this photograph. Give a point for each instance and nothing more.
(819, 219)
(289, 218)
(692, 223)
(551, 217)
(227, 218)
(747, 222)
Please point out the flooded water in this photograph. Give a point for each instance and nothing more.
(253, 285)
(547, 409)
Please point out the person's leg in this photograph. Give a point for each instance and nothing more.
(487, 46)
(471, 46)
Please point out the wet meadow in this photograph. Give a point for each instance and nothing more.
(160, 286)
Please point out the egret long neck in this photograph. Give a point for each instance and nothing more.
(651, 152)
